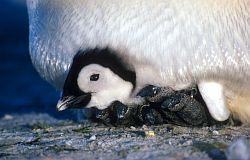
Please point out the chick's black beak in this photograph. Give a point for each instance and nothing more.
(73, 102)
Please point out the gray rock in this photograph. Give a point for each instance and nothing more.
(239, 150)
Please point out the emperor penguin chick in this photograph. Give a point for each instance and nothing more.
(96, 79)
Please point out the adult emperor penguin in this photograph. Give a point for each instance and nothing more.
(174, 43)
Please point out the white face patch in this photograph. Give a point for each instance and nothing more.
(104, 85)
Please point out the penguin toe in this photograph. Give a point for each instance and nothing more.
(149, 115)
(173, 103)
(155, 94)
(103, 115)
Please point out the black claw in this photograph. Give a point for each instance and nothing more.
(149, 91)
(102, 114)
(150, 115)
(120, 110)
(120, 115)
(172, 103)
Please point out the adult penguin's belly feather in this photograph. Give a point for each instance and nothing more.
(203, 42)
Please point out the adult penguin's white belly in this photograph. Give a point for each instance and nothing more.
(205, 42)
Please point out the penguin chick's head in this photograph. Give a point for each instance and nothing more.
(96, 78)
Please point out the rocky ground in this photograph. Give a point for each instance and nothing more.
(41, 136)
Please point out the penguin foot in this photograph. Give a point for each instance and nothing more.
(163, 106)
(117, 114)
(185, 107)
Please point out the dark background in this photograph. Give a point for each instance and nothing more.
(22, 89)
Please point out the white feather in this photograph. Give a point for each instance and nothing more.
(181, 41)
(185, 40)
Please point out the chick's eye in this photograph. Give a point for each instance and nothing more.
(94, 77)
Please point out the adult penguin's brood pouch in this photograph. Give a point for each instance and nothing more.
(182, 43)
